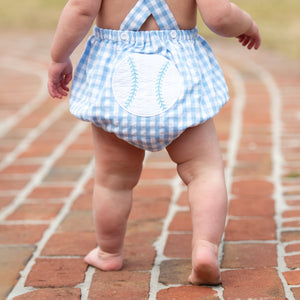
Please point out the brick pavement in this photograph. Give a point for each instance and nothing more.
(46, 184)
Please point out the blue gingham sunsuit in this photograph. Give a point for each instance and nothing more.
(110, 89)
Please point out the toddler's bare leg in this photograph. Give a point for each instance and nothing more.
(117, 170)
(200, 165)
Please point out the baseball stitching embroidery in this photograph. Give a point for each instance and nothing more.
(134, 82)
(159, 82)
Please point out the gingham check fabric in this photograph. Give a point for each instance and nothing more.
(92, 98)
(143, 9)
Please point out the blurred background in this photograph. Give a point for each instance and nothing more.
(278, 20)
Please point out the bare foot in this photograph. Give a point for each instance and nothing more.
(104, 261)
(205, 264)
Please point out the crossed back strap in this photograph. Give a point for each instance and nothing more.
(159, 9)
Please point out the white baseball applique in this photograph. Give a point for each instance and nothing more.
(146, 85)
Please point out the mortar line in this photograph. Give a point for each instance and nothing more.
(43, 170)
(235, 131)
(86, 285)
(160, 244)
(231, 153)
(236, 124)
(276, 110)
(275, 98)
(20, 288)
(32, 135)
(22, 66)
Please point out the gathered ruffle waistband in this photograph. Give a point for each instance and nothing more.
(133, 36)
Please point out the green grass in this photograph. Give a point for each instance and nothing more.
(30, 14)
(292, 175)
(278, 20)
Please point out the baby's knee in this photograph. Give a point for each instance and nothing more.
(186, 171)
(118, 175)
(192, 170)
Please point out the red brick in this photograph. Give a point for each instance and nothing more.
(146, 227)
(257, 117)
(139, 252)
(292, 248)
(187, 293)
(251, 229)
(291, 213)
(262, 207)
(293, 202)
(78, 221)
(152, 191)
(56, 272)
(251, 169)
(70, 243)
(293, 261)
(222, 123)
(292, 277)
(294, 193)
(83, 202)
(249, 256)
(252, 188)
(12, 261)
(20, 169)
(296, 292)
(290, 176)
(74, 159)
(142, 236)
(183, 199)
(139, 257)
(89, 186)
(50, 192)
(179, 246)
(21, 234)
(33, 119)
(149, 209)
(63, 174)
(175, 271)
(158, 157)
(5, 200)
(7, 147)
(12, 185)
(253, 163)
(53, 136)
(158, 173)
(37, 150)
(291, 156)
(254, 283)
(291, 224)
(43, 211)
(258, 139)
(119, 285)
(82, 143)
(254, 156)
(30, 121)
(181, 222)
(51, 293)
(289, 236)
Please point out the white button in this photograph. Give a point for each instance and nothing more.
(173, 34)
(125, 36)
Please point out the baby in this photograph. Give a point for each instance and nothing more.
(148, 81)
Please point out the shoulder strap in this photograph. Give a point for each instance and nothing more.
(136, 17)
(143, 9)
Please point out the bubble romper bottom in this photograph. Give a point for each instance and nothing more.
(147, 87)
